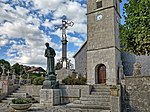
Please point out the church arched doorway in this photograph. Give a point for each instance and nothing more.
(101, 74)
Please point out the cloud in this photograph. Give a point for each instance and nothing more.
(4, 15)
(73, 11)
(26, 54)
(46, 6)
(76, 41)
(17, 26)
(3, 40)
(22, 29)
(79, 27)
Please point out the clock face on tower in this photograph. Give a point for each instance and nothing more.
(98, 17)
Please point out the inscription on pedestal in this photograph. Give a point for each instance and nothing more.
(50, 97)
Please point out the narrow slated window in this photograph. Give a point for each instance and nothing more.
(116, 6)
(99, 4)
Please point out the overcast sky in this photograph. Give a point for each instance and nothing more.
(26, 25)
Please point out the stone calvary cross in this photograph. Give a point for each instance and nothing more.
(65, 24)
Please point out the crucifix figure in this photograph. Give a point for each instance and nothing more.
(64, 27)
(65, 24)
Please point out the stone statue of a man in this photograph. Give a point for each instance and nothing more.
(50, 54)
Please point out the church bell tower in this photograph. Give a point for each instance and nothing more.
(103, 47)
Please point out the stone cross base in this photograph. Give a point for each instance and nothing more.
(50, 97)
(3, 77)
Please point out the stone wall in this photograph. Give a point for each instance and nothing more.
(69, 93)
(129, 59)
(10, 89)
(73, 92)
(145, 63)
(81, 60)
(63, 73)
(116, 100)
(34, 91)
(136, 94)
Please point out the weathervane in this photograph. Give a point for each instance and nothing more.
(65, 24)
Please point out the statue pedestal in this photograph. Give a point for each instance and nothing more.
(50, 97)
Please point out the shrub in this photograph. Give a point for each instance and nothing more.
(32, 78)
(72, 80)
(113, 87)
(21, 101)
(38, 80)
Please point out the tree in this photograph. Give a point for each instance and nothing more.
(58, 66)
(6, 65)
(18, 68)
(135, 33)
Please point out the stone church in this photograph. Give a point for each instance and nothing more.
(100, 58)
(102, 53)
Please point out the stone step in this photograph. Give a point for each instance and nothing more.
(9, 98)
(98, 96)
(22, 87)
(15, 93)
(18, 96)
(100, 90)
(37, 107)
(95, 99)
(104, 104)
(20, 91)
(77, 102)
(37, 99)
(99, 86)
(6, 101)
(82, 106)
(100, 93)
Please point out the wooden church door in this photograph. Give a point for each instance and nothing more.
(102, 74)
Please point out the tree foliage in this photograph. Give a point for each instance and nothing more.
(58, 66)
(135, 33)
(18, 68)
(38, 80)
(6, 65)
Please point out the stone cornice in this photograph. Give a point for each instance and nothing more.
(100, 9)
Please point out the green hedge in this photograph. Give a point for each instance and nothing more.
(72, 80)
(38, 80)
